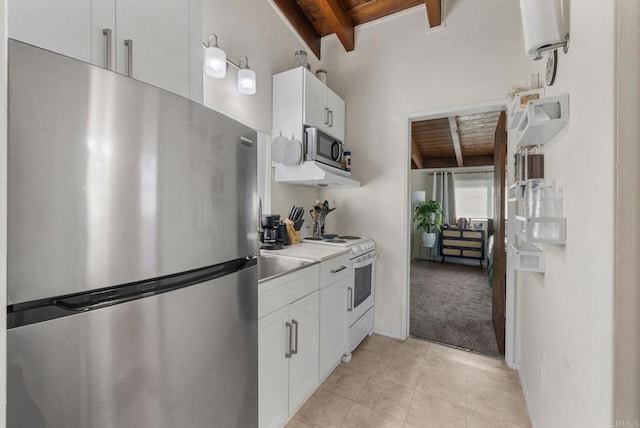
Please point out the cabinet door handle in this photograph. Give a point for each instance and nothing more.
(350, 304)
(330, 118)
(295, 351)
(339, 269)
(289, 351)
(128, 43)
(107, 48)
(326, 115)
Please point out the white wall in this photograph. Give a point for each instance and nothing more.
(627, 315)
(3, 211)
(255, 29)
(400, 68)
(565, 328)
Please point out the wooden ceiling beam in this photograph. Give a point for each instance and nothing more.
(300, 23)
(415, 154)
(456, 140)
(434, 12)
(339, 21)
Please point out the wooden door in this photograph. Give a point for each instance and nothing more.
(499, 253)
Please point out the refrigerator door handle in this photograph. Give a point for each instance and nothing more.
(289, 327)
(295, 351)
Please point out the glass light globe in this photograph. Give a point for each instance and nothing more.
(215, 61)
(246, 81)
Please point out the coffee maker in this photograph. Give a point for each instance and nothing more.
(270, 232)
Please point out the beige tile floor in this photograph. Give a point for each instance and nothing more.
(412, 384)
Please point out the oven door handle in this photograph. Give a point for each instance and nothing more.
(366, 262)
(350, 302)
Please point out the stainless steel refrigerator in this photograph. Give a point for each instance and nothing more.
(132, 230)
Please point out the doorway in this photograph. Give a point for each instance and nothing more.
(451, 296)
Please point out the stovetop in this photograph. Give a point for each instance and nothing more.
(358, 244)
(336, 240)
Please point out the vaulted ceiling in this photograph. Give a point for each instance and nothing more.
(314, 19)
(454, 141)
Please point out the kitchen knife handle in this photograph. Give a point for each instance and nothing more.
(295, 351)
(289, 352)
(326, 115)
(128, 43)
(107, 48)
(350, 304)
(339, 269)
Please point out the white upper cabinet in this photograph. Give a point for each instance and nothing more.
(62, 26)
(164, 46)
(316, 112)
(300, 99)
(103, 33)
(337, 113)
(158, 31)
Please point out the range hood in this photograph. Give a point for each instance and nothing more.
(312, 173)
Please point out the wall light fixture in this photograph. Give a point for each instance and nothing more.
(216, 65)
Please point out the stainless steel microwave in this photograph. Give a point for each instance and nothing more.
(321, 147)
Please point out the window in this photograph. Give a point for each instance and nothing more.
(474, 196)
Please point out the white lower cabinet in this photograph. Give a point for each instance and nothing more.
(334, 325)
(303, 365)
(288, 344)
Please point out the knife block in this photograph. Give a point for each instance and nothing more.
(294, 235)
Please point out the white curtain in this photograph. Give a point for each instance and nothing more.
(444, 192)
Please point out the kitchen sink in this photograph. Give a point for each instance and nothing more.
(270, 267)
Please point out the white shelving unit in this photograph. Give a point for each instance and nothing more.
(533, 230)
(542, 120)
(535, 124)
(517, 110)
(528, 258)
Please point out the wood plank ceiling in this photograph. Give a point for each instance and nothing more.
(314, 19)
(454, 141)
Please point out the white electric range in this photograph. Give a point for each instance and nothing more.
(361, 291)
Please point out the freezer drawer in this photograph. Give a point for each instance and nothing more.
(185, 358)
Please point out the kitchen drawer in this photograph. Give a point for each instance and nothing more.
(335, 269)
(286, 289)
(451, 233)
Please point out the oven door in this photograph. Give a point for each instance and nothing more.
(363, 286)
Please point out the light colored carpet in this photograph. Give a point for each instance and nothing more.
(451, 303)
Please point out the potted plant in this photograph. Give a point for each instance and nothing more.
(428, 218)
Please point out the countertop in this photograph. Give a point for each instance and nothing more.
(305, 251)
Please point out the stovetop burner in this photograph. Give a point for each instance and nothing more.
(313, 238)
(336, 241)
(349, 237)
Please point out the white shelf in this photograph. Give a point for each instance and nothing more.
(542, 120)
(537, 229)
(517, 111)
(528, 258)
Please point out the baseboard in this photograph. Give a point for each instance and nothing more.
(527, 401)
(390, 334)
